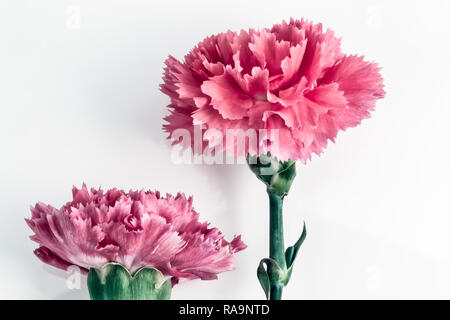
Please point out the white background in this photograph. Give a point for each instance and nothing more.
(79, 101)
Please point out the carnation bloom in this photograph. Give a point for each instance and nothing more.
(138, 229)
(292, 81)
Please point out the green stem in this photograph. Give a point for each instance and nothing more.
(276, 290)
(276, 246)
(274, 273)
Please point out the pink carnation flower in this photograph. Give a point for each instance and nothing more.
(136, 229)
(291, 80)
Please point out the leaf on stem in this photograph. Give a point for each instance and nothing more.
(291, 252)
(269, 273)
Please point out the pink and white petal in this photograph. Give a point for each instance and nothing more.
(290, 67)
(360, 81)
(227, 96)
(244, 60)
(290, 96)
(283, 144)
(326, 97)
(203, 256)
(288, 32)
(257, 83)
(268, 51)
(152, 245)
(48, 257)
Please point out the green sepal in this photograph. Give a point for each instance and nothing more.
(277, 175)
(291, 252)
(114, 282)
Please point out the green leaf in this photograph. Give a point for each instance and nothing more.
(291, 252)
(263, 278)
(114, 282)
(269, 273)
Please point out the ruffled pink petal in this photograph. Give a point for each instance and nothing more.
(290, 66)
(227, 97)
(362, 85)
(48, 257)
(237, 244)
(244, 60)
(290, 148)
(80, 196)
(203, 257)
(151, 242)
(269, 51)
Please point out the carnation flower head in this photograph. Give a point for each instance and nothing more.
(291, 81)
(137, 229)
